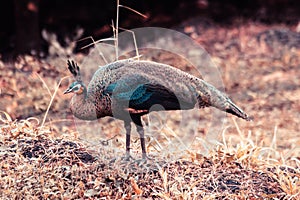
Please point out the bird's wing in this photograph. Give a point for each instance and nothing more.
(130, 87)
(141, 93)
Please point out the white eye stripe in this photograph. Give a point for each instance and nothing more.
(77, 87)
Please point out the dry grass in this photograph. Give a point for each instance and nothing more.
(37, 164)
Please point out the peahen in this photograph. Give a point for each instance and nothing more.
(128, 89)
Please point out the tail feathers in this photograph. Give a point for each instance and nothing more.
(233, 109)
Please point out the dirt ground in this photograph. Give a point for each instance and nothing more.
(62, 157)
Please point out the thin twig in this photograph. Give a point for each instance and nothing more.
(128, 8)
(52, 98)
(96, 42)
(134, 41)
(44, 84)
(117, 31)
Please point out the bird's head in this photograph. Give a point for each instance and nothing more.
(76, 87)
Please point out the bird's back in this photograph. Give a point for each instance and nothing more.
(146, 72)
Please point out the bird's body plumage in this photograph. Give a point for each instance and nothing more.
(128, 89)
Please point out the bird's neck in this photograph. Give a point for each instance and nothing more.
(84, 107)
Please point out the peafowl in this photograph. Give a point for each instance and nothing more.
(128, 89)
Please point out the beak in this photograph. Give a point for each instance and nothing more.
(68, 91)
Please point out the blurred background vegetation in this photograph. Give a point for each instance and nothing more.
(22, 21)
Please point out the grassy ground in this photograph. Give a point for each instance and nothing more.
(67, 158)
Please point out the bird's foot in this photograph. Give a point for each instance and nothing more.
(127, 157)
(144, 159)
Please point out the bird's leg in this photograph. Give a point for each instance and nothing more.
(140, 130)
(127, 126)
(139, 127)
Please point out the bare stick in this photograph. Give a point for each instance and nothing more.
(117, 31)
(128, 8)
(134, 41)
(237, 127)
(52, 98)
(44, 83)
(96, 42)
